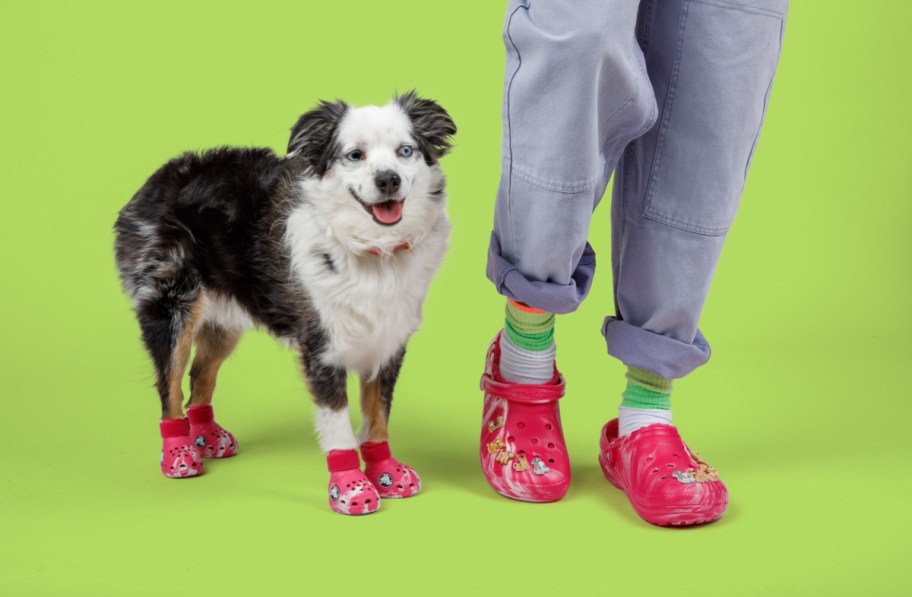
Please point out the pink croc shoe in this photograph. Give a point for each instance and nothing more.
(179, 457)
(523, 454)
(390, 478)
(210, 438)
(666, 483)
(350, 492)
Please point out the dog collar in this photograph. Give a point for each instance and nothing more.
(403, 246)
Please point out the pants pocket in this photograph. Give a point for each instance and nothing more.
(724, 61)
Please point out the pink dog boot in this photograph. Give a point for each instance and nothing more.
(523, 454)
(179, 457)
(391, 478)
(350, 492)
(666, 483)
(211, 439)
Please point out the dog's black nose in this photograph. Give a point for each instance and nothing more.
(388, 182)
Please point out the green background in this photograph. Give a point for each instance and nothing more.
(804, 406)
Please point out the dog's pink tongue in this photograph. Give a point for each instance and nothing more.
(388, 212)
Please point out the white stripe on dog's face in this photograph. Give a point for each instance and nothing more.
(375, 140)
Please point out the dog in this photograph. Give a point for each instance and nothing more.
(331, 248)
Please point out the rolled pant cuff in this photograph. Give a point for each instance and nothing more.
(547, 296)
(662, 355)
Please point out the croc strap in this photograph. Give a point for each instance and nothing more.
(342, 460)
(523, 393)
(375, 451)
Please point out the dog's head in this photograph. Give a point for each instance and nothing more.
(372, 171)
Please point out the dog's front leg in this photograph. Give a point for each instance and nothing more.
(391, 478)
(350, 492)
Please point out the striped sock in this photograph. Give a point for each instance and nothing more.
(646, 400)
(527, 346)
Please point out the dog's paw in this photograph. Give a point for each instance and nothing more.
(180, 459)
(211, 439)
(391, 478)
(351, 493)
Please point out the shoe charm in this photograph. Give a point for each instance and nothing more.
(504, 457)
(704, 474)
(538, 467)
(521, 464)
(496, 445)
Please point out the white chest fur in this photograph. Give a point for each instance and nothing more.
(368, 304)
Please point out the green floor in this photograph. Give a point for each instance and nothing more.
(819, 499)
(803, 408)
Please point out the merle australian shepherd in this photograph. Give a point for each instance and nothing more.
(330, 248)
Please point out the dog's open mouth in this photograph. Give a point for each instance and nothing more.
(386, 213)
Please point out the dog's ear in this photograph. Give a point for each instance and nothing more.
(431, 125)
(313, 137)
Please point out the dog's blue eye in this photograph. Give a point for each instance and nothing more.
(354, 155)
(405, 151)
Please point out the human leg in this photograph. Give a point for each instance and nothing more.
(575, 92)
(676, 192)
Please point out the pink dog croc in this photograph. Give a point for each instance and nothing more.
(350, 492)
(210, 438)
(666, 483)
(179, 457)
(523, 454)
(391, 478)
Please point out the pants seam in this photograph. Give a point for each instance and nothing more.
(510, 132)
(667, 111)
(554, 185)
(741, 7)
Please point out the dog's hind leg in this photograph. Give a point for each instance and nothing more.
(349, 490)
(214, 344)
(168, 316)
(392, 478)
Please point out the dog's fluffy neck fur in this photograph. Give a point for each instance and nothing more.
(369, 304)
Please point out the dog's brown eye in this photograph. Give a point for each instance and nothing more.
(354, 155)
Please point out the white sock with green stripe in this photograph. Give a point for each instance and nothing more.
(646, 401)
(527, 345)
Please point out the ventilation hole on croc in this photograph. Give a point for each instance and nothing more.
(669, 465)
(367, 501)
(511, 439)
(522, 452)
(649, 459)
(343, 501)
(535, 440)
(550, 461)
(550, 446)
(398, 486)
(548, 426)
(521, 425)
(675, 455)
(664, 477)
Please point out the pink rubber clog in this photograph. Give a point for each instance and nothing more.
(666, 483)
(179, 457)
(522, 450)
(210, 438)
(350, 492)
(390, 478)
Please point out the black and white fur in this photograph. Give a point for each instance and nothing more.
(220, 241)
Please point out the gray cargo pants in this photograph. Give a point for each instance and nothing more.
(669, 95)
